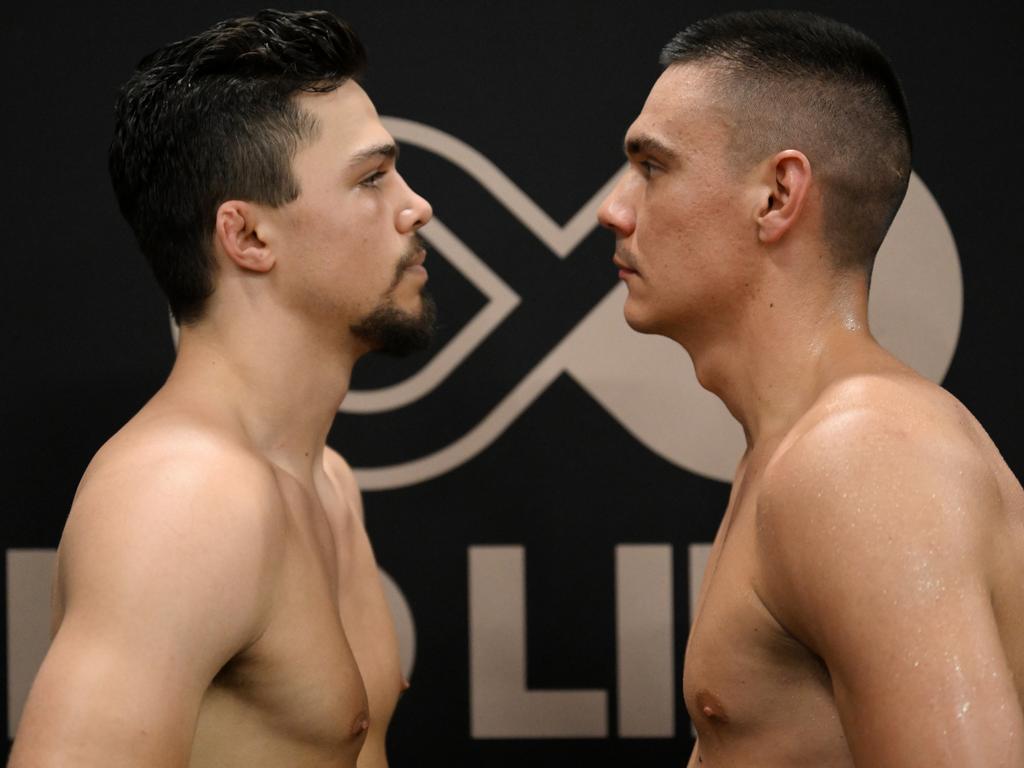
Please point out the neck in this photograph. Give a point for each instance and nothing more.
(790, 342)
(269, 376)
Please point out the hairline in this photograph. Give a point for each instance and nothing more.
(738, 93)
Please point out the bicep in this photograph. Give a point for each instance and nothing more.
(100, 699)
(875, 549)
(923, 684)
(159, 588)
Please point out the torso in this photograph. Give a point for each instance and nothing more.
(757, 695)
(320, 684)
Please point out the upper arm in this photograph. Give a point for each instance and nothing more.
(163, 578)
(875, 548)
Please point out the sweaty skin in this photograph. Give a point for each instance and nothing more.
(862, 603)
(217, 602)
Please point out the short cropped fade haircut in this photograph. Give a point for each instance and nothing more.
(212, 118)
(795, 80)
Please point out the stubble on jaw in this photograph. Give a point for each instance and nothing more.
(393, 331)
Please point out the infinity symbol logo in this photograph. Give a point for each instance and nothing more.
(647, 383)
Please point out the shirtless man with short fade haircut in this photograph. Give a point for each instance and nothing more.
(863, 603)
(217, 602)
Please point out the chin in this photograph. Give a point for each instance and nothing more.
(415, 306)
(410, 302)
(639, 321)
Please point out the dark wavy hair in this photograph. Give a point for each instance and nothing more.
(796, 80)
(213, 118)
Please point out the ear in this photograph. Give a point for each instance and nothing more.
(236, 231)
(788, 182)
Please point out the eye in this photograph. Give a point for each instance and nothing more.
(647, 168)
(373, 179)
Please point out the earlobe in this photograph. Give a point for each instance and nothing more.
(789, 182)
(237, 234)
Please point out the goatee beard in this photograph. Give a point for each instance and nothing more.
(393, 331)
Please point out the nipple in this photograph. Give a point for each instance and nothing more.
(711, 707)
(361, 725)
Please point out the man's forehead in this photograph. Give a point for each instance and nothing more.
(346, 118)
(682, 103)
(682, 89)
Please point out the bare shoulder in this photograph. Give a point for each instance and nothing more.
(344, 480)
(900, 429)
(166, 572)
(883, 475)
(888, 543)
(172, 507)
(170, 472)
(900, 402)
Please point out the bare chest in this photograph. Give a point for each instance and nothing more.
(324, 675)
(747, 683)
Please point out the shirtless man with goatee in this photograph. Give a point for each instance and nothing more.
(217, 602)
(863, 603)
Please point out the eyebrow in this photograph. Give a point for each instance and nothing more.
(377, 150)
(644, 145)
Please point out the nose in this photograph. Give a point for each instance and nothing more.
(616, 213)
(415, 213)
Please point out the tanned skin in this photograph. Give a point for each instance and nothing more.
(217, 601)
(862, 604)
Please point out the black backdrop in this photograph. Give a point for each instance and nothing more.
(545, 92)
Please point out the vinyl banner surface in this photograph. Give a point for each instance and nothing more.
(543, 484)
